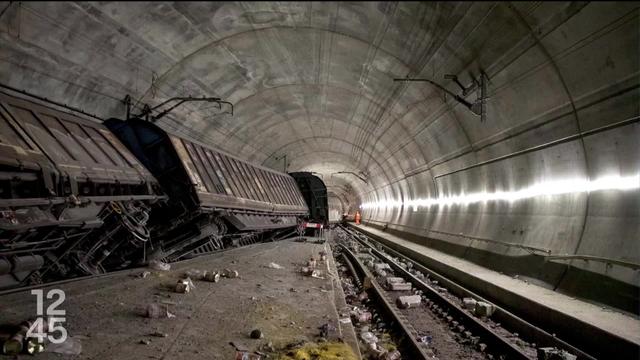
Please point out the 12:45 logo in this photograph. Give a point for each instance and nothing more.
(55, 318)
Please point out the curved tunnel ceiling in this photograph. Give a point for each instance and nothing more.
(314, 81)
(306, 78)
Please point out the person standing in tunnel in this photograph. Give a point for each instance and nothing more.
(357, 217)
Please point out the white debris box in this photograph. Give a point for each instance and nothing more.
(184, 286)
(392, 279)
(404, 302)
(399, 286)
(548, 353)
(381, 266)
(469, 303)
(484, 309)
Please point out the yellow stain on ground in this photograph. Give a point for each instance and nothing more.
(325, 351)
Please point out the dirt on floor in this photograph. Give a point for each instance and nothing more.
(107, 316)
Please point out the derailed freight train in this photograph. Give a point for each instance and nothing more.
(78, 197)
(314, 192)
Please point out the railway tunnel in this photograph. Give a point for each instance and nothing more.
(493, 146)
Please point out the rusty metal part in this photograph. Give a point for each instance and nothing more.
(63, 177)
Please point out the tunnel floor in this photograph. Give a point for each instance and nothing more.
(108, 315)
(551, 303)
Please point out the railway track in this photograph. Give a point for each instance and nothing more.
(449, 321)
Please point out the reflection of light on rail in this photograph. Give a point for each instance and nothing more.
(542, 189)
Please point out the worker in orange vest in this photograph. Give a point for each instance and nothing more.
(357, 217)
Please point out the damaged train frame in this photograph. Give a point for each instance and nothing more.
(84, 197)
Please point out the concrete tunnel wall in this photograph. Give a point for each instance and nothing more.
(314, 81)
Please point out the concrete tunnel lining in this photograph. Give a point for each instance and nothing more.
(562, 70)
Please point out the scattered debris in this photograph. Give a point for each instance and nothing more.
(393, 355)
(327, 331)
(368, 337)
(13, 345)
(552, 353)
(157, 311)
(312, 263)
(326, 350)
(17, 342)
(323, 255)
(142, 275)
(268, 347)
(427, 339)
(308, 271)
(159, 265)
(159, 334)
(71, 346)
(184, 286)
(256, 334)
(246, 355)
(238, 346)
(366, 283)
(469, 303)
(404, 302)
(144, 342)
(230, 273)
(392, 280)
(274, 266)
(33, 347)
(195, 274)
(484, 309)
(400, 286)
(14, 341)
(361, 316)
(381, 273)
(381, 266)
(212, 276)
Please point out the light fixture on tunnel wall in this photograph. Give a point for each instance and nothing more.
(548, 188)
(478, 107)
(147, 110)
(352, 173)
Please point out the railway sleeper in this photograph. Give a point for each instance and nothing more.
(439, 297)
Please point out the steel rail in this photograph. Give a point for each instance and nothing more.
(504, 317)
(497, 344)
(409, 334)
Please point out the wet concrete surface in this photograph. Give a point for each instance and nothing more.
(107, 315)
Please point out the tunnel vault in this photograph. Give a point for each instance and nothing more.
(314, 81)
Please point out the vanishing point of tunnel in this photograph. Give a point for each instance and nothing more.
(319, 180)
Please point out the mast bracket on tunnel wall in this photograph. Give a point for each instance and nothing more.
(146, 112)
(478, 107)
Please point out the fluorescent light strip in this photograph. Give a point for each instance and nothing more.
(542, 189)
